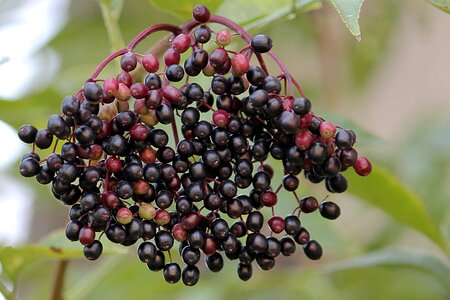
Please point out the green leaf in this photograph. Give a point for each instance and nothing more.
(383, 190)
(441, 4)
(15, 259)
(183, 9)
(269, 13)
(397, 258)
(365, 58)
(349, 11)
(252, 11)
(54, 247)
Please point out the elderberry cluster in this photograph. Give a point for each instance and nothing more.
(132, 180)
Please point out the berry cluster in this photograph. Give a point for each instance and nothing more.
(126, 179)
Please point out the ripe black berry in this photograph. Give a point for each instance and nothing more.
(93, 251)
(245, 271)
(190, 275)
(261, 43)
(313, 250)
(158, 263)
(329, 210)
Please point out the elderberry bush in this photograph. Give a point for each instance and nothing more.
(132, 181)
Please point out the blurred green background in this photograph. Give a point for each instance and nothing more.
(392, 88)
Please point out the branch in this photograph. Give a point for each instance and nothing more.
(58, 284)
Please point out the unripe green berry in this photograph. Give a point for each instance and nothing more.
(147, 211)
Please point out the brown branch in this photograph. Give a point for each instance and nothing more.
(58, 283)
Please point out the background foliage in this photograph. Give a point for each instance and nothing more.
(392, 239)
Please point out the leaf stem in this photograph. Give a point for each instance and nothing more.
(111, 13)
(58, 284)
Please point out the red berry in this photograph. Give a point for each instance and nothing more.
(305, 120)
(181, 42)
(210, 246)
(362, 166)
(162, 217)
(190, 221)
(141, 187)
(86, 235)
(110, 199)
(123, 93)
(110, 86)
(139, 90)
(269, 198)
(124, 216)
(125, 78)
(327, 130)
(172, 94)
(303, 139)
(140, 106)
(276, 224)
(179, 233)
(240, 64)
(139, 132)
(220, 118)
(171, 57)
(148, 155)
(223, 37)
(113, 164)
(150, 63)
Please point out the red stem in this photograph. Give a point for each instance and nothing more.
(105, 62)
(149, 30)
(175, 131)
(187, 27)
(139, 38)
(235, 27)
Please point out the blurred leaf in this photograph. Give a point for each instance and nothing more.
(183, 9)
(364, 58)
(34, 109)
(111, 10)
(91, 280)
(349, 11)
(54, 247)
(307, 5)
(256, 14)
(252, 11)
(15, 259)
(383, 190)
(270, 13)
(441, 4)
(428, 139)
(115, 6)
(396, 258)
